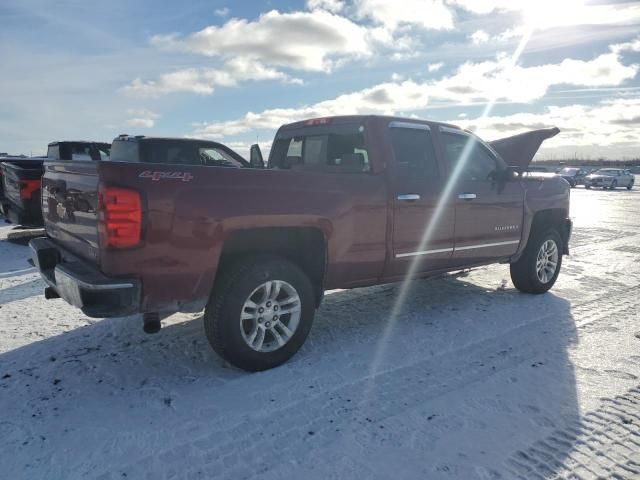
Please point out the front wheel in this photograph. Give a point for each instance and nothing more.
(588, 187)
(614, 185)
(537, 269)
(260, 312)
(630, 186)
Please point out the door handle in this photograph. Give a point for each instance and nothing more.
(408, 197)
(467, 196)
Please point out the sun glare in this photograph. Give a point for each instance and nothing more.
(550, 13)
(405, 286)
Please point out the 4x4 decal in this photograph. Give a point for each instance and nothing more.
(155, 176)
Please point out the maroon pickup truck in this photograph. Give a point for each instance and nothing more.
(169, 225)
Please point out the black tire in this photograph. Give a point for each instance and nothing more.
(588, 187)
(614, 185)
(630, 186)
(232, 289)
(523, 272)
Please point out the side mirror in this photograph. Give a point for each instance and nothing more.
(512, 173)
(255, 157)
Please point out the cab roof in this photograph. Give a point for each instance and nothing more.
(343, 119)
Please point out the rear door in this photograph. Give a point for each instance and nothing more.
(488, 212)
(423, 220)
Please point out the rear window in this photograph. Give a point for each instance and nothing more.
(337, 149)
(124, 151)
(53, 151)
(172, 152)
(79, 151)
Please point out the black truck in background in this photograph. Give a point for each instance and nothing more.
(20, 178)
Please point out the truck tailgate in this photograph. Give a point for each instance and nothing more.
(69, 203)
(20, 191)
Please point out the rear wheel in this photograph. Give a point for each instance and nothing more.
(537, 269)
(614, 185)
(588, 187)
(260, 313)
(630, 186)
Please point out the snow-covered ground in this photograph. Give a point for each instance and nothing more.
(475, 380)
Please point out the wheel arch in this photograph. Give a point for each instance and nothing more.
(304, 246)
(557, 218)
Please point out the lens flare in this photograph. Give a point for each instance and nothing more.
(445, 196)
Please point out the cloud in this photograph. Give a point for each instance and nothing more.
(479, 36)
(543, 14)
(472, 83)
(310, 41)
(434, 67)
(204, 81)
(514, 32)
(496, 79)
(141, 118)
(632, 46)
(429, 14)
(328, 5)
(221, 12)
(609, 128)
(483, 7)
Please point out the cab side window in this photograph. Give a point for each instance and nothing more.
(329, 152)
(468, 158)
(413, 150)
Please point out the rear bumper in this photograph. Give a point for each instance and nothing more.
(82, 284)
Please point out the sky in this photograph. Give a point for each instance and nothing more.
(235, 71)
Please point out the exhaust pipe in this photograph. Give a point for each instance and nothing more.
(151, 322)
(50, 293)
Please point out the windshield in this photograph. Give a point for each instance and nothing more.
(607, 171)
(570, 171)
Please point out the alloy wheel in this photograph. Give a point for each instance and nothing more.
(270, 316)
(547, 261)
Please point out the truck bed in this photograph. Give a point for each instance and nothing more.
(187, 211)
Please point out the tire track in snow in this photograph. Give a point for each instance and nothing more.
(259, 442)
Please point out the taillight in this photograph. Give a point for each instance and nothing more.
(27, 187)
(119, 217)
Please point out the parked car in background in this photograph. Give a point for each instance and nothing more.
(21, 178)
(20, 190)
(168, 225)
(573, 175)
(78, 150)
(536, 168)
(610, 178)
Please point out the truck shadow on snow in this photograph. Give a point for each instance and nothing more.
(468, 375)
